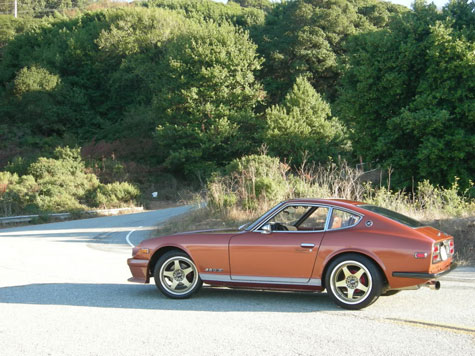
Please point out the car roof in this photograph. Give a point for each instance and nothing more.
(331, 201)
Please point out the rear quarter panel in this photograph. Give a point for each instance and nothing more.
(391, 245)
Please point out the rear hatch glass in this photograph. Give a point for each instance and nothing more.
(403, 219)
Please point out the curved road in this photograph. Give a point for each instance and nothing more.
(63, 291)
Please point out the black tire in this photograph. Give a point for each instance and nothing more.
(353, 281)
(176, 275)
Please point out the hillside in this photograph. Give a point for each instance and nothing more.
(181, 88)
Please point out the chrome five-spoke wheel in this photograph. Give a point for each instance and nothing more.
(176, 275)
(353, 281)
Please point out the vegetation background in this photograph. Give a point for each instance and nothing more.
(248, 102)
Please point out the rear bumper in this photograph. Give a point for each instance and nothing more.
(420, 275)
(139, 269)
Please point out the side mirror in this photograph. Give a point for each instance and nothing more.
(266, 229)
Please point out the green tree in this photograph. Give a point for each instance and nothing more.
(207, 99)
(11, 26)
(302, 127)
(41, 8)
(408, 96)
(34, 78)
(305, 37)
(258, 4)
(209, 10)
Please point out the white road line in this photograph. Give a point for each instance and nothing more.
(128, 235)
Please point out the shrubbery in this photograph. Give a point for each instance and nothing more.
(253, 184)
(250, 182)
(60, 184)
(114, 195)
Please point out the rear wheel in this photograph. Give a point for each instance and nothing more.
(353, 281)
(176, 275)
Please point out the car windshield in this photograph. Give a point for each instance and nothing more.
(254, 223)
(403, 219)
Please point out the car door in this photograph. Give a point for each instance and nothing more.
(287, 254)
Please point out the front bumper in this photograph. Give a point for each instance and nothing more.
(139, 270)
(420, 275)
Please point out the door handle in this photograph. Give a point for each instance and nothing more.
(307, 245)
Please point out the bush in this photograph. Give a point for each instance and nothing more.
(114, 195)
(63, 181)
(34, 79)
(60, 184)
(57, 201)
(252, 184)
(19, 194)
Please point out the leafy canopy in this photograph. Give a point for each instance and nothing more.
(302, 128)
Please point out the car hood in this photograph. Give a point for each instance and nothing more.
(212, 231)
(186, 236)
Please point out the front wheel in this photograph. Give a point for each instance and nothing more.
(353, 281)
(176, 275)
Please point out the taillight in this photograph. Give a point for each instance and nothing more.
(436, 253)
(442, 250)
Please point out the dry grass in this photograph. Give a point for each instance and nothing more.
(259, 182)
(197, 219)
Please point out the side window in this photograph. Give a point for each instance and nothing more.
(288, 218)
(315, 221)
(342, 219)
(300, 218)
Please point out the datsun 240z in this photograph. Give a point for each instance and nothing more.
(355, 251)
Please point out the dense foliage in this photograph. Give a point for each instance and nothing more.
(409, 94)
(60, 183)
(206, 103)
(41, 8)
(306, 37)
(188, 86)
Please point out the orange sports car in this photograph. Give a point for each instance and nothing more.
(353, 250)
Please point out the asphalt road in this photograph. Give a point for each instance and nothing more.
(64, 291)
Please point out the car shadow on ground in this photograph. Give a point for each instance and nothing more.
(147, 297)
